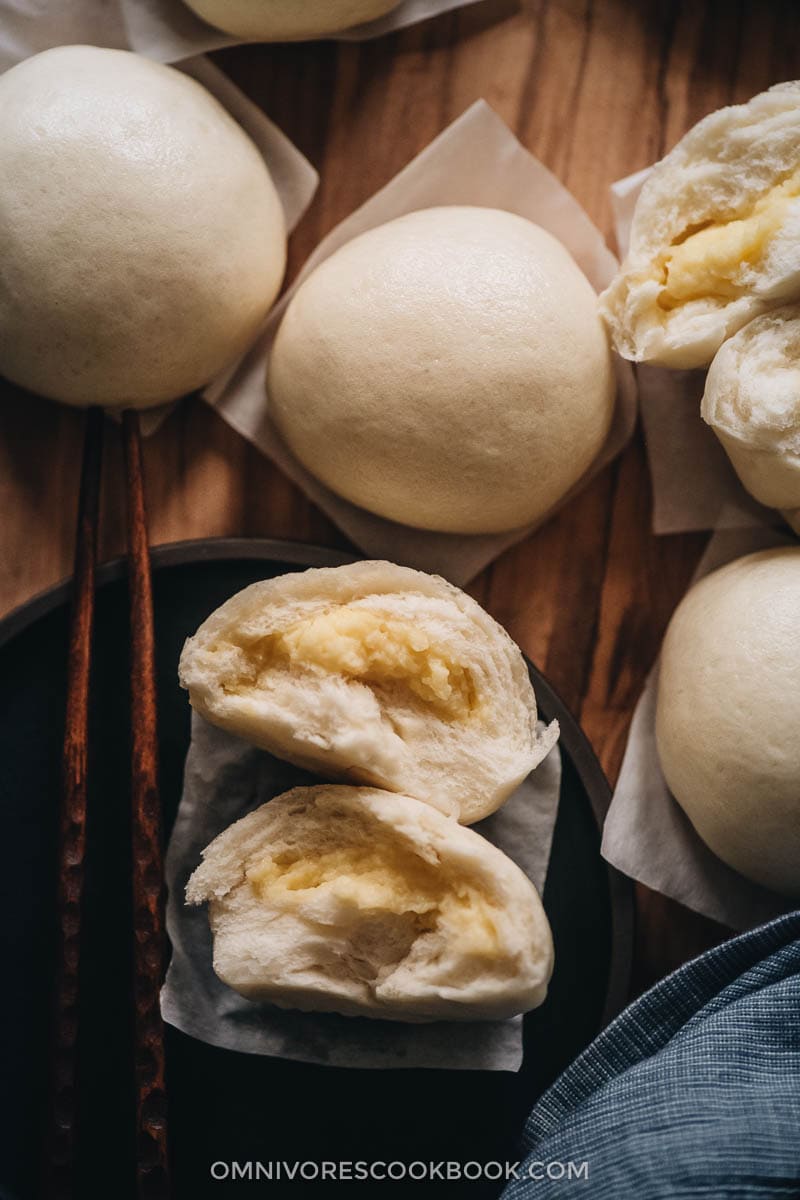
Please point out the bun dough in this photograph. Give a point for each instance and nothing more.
(287, 20)
(714, 235)
(143, 238)
(362, 902)
(728, 714)
(752, 402)
(448, 370)
(377, 674)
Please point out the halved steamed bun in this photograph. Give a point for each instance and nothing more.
(752, 402)
(288, 20)
(377, 674)
(714, 235)
(363, 902)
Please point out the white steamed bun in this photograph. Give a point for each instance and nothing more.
(728, 714)
(752, 402)
(376, 674)
(447, 370)
(288, 20)
(714, 236)
(143, 240)
(368, 903)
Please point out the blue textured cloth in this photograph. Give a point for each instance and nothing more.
(694, 1090)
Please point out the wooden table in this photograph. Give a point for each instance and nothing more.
(595, 88)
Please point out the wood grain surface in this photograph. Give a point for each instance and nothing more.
(596, 89)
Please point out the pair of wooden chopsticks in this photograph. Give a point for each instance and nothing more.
(148, 919)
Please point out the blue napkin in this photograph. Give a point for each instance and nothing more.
(693, 1091)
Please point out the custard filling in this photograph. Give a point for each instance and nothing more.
(706, 263)
(358, 643)
(382, 879)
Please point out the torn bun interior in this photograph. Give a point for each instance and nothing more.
(375, 674)
(714, 235)
(364, 902)
(752, 402)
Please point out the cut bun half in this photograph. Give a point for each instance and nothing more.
(364, 902)
(752, 402)
(714, 235)
(375, 674)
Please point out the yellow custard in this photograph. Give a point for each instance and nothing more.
(379, 879)
(706, 263)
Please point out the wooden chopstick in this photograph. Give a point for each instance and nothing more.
(152, 1164)
(148, 909)
(148, 875)
(59, 1155)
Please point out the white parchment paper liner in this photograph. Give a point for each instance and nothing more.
(694, 485)
(162, 29)
(648, 836)
(475, 161)
(226, 778)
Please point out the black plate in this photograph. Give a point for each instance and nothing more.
(229, 1107)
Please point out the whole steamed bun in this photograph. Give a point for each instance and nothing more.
(728, 715)
(376, 674)
(288, 20)
(367, 903)
(447, 370)
(143, 240)
(714, 236)
(752, 402)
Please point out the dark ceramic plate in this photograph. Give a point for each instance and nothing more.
(229, 1107)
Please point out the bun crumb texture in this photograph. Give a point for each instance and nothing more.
(752, 402)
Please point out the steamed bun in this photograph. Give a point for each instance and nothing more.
(363, 902)
(728, 715)
(714, 236)
(143, 238)
(752, 402)
(376, 674)
(288, 20)
(448, 370)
